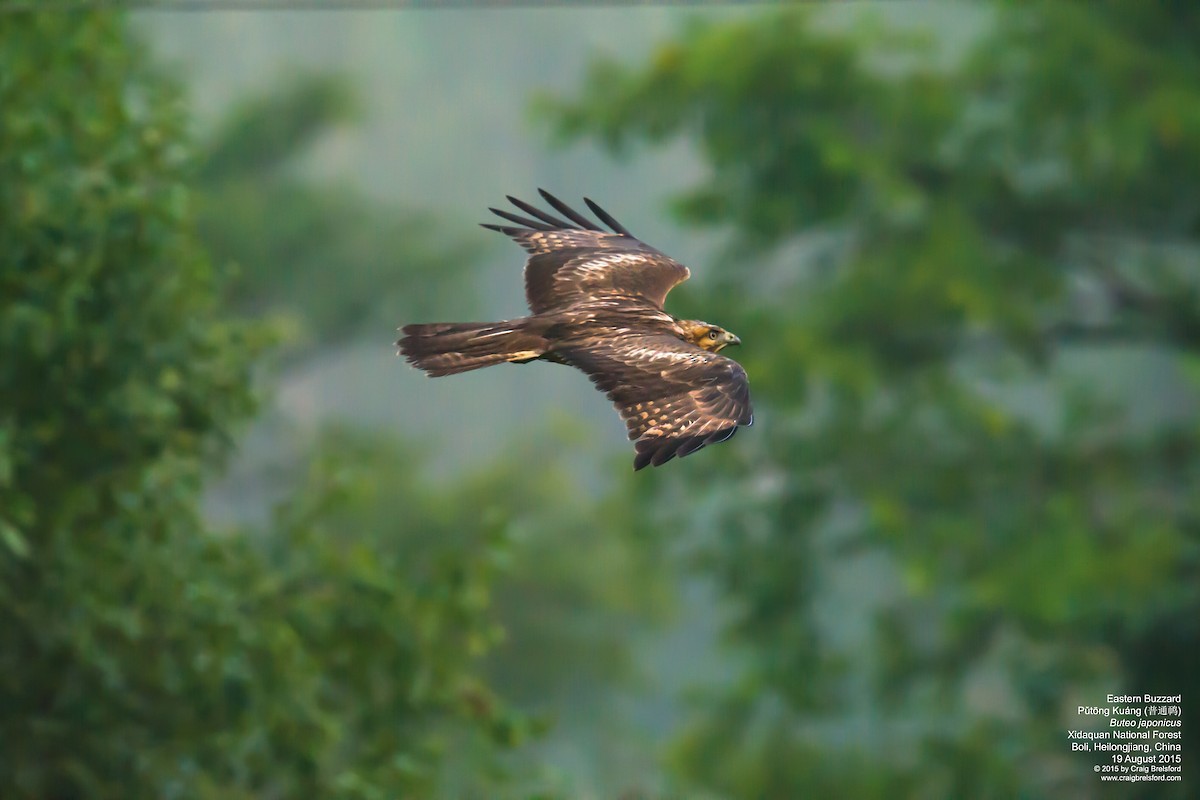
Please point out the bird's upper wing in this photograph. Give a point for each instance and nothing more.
(574, 260)
(674, 397)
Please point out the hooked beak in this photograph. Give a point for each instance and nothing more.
(732, 339)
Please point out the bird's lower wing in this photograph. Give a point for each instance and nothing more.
(674, 397)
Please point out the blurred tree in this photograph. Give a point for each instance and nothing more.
(380, 585)
(583, 577)
(978, 368)
(141, 656)
(335, 260)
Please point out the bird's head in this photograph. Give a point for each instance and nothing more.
(707, 336)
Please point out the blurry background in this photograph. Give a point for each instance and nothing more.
(246, 552)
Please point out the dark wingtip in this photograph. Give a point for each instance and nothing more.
(691, 445)
(722, 436)
(663, 456)
(551, 199)
(568, 212)
(606, 218)
(532, 224)
(538, 213)
(645, 453)
(655, 452)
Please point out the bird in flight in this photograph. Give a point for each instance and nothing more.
(596, 299)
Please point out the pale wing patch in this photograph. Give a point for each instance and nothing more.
(650, 355)
(573, 260)
(552, 241)
(601, 263)
(581, 278)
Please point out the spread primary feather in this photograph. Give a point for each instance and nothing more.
(596, 299)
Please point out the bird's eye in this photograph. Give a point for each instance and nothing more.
(712, 334)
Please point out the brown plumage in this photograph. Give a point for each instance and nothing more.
(597, 302)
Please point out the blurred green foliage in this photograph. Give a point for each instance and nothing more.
(948, 273)
(332, 260)
(344, 265)
(336, 652)
(970, 299)
(349, 645)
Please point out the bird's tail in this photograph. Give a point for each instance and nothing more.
(444, 348)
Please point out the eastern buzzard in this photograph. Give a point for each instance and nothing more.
(597, 302)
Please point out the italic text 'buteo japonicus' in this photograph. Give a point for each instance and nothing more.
(597, 302)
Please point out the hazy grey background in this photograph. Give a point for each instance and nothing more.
(447, 127)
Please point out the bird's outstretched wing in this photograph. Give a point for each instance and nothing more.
(574, 261)
(674, 397)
